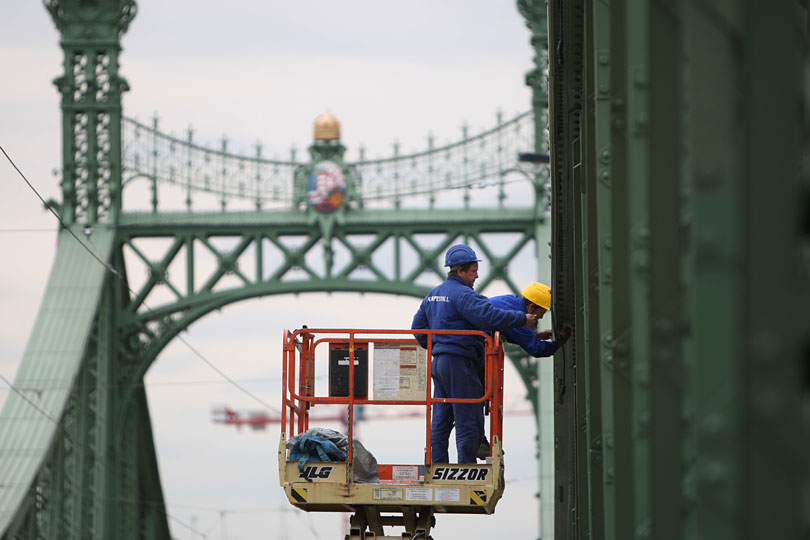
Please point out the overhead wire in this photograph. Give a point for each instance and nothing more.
(153, 384)
(10, 230)
(103, 464)
(29, 401)
(115, 272)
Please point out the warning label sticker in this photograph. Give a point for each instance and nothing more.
(418, 494)
(400, 372)
(387, 494)
(400, 473)
(448, 494)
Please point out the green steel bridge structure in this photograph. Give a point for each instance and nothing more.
(676, 202)
(77, 457)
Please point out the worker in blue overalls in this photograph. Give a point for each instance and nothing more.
(535, 299)
(454, 305)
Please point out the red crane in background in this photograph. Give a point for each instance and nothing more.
(258, 420)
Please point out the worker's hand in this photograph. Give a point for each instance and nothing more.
(545, 334)
(563, 335)
(531, 321)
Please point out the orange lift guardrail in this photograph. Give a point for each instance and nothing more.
(409, 494)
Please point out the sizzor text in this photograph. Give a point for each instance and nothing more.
(459, 473)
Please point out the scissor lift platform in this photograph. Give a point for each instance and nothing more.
(448, 488)
(407, 495)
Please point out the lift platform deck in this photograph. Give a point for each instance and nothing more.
(406, 495)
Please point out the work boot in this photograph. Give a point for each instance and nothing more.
(483, 449)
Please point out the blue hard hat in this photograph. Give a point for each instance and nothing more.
(460, 254)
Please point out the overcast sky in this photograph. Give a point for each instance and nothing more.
(263, 71)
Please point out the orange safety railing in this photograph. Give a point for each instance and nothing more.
(298, 376)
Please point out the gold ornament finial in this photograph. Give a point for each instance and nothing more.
(327, 128)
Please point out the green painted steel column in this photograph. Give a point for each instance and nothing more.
(748, 300)
(561, 101)
(106, 489)
(639, 186)
(679, 250)
(715, 289)
(665, 303)
(536, 14)
(598, 295)
(91, 91)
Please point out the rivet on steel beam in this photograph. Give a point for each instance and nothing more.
(767, 403)
(644, 422)
(663, 355)
(640, 78)
(644, 378)
(714, 473)
(644, 530)
(642, 238)
(764, 345)
(707, 177)
(663, 325)
(713, 424)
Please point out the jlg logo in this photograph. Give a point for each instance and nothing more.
(315, 472)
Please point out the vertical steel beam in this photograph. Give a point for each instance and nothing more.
(91, 91)
(598, 269)
(105, 392)
(715, 291)
(748, 294)
(619, 340)
(566, 33)
(665, 304)
(638, 240)
(776, 365)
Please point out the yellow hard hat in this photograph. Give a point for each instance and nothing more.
(538, 293)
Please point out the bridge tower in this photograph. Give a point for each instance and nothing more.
(77, 457)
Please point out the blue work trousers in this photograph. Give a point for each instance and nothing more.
(456, 377)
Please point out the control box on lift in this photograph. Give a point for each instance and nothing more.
(339, 354)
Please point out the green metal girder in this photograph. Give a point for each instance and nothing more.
(666, 118)
(99, 479)
(148, 328)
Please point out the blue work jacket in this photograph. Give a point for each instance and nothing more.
(454, 305)
(524, 337)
